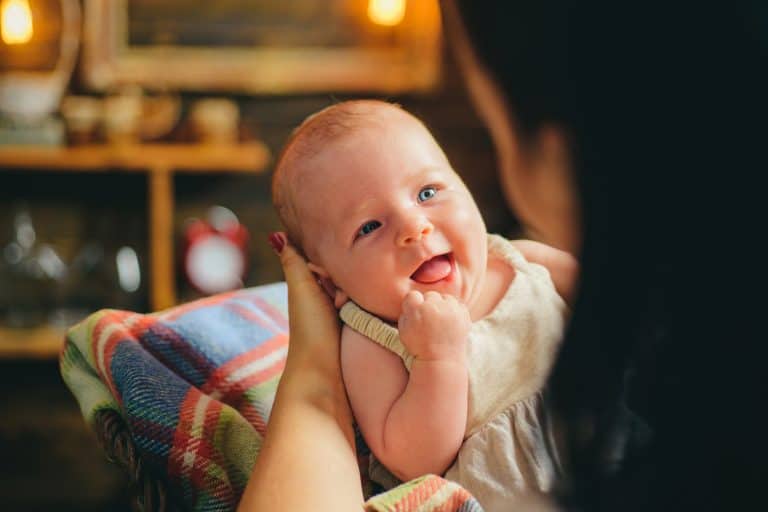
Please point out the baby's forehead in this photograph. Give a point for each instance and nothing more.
(307, 163)
(308, 169)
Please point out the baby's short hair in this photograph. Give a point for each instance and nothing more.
(316, 131)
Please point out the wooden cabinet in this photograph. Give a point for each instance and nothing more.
(159, 162)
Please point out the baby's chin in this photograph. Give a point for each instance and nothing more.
(383, 312)
(388, 316)
(390, 313)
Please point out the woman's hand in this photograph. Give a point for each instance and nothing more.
(307, 461)
(313, 321)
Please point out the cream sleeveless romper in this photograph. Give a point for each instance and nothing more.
(510, 440)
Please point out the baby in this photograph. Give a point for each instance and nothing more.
(449, 333)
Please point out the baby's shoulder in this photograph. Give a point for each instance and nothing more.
(504, 259)
(362, 357)
(505, 250)
(349, 335)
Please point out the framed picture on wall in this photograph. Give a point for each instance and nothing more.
(263, 46)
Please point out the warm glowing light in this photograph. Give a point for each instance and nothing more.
(386, 12)
(16, 21)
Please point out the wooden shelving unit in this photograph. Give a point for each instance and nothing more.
(159, 162)
(31, 343)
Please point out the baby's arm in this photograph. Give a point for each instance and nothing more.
(563, 266)
(414, 423)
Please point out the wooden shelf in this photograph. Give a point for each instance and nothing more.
(31, 343)
(159, 162)
(250, 157)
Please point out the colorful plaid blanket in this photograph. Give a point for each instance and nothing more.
(195, 386)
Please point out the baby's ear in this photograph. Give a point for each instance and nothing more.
(317, 270)
(337, 294)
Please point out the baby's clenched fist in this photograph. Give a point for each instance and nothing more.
(434, 326)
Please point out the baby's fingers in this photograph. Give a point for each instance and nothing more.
(412, 300)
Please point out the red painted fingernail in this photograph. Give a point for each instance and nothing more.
(277, 241)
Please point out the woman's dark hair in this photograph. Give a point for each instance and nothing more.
(665, 107)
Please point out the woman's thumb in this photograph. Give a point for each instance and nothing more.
(309, 308)
(294, 265)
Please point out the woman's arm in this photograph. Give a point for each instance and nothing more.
(308, 459)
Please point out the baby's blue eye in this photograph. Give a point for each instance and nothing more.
(368, 227)
(427, 193)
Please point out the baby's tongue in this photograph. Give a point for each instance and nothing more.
(433, 270)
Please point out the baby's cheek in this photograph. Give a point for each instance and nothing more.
(470, 219)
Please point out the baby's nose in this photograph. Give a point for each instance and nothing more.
(414, 229)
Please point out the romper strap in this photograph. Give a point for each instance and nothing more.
(376, 329)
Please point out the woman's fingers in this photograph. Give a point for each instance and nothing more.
(311, 315)
(294, 266)
(302, 283)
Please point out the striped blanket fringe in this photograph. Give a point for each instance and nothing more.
(193, 388)
(428, 493)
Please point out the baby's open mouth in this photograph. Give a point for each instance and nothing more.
(434, 269)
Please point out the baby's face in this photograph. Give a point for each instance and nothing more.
(382, 213)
